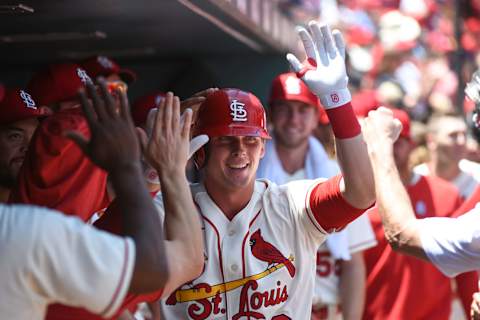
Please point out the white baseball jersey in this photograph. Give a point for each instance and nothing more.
(47, 257)
(360, 237)
(259, 265)
(453, 244)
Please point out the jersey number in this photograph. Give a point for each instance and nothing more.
(326, 265)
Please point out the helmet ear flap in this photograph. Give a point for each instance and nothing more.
(199, 158)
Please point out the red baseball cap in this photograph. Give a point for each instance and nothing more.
(363, 102)
(58, 82)
(287, 86)
(405, 120)
(17, 105)
(104, 66)
(144, 104)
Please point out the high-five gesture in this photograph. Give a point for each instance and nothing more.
(324, 70)
(108, 127)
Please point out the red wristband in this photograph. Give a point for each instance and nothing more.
(344, 121)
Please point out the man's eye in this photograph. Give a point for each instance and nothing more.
(14, 136)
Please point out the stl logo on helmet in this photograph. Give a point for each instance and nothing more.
(82, 74)
(238, 112)
(105, 62)
(27, 99)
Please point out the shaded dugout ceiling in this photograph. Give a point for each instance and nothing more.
(36, 32)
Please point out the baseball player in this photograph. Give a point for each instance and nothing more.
(55, 168)
(261, 238)
(18, 120)
(294, 154)
(64, 260)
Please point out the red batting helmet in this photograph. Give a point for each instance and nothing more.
(231, 112)
(288, 87)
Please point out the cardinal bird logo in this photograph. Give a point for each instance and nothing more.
(262, 250)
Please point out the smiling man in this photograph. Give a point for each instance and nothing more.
(261, 238)
(18, 121)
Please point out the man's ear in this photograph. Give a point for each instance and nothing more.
(262, 152)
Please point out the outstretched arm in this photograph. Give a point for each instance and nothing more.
(402, 229)
(113, 146)
(168, 152)
(325, 74)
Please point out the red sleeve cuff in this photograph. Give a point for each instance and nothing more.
(328, 209)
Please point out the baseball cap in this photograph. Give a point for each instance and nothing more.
(405, 121)
(287, 86)
(17, 105)
(144, 104)
(57, 82)
(105, 66)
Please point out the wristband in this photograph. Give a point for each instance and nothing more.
(344, 121)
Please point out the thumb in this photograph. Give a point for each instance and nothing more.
(294, 63)
(79, 139)
(142, 138)
(196, 143)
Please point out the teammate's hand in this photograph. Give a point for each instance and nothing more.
(324, 71)
(113, 143)
(196, 100)
(475, 309)
(168, 149)
(380, 130)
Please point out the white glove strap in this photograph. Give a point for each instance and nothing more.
(336, 98)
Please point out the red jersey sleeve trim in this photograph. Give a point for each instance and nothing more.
(108, 310)
(327, 207)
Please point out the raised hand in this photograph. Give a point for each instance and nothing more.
(380, 130)
(168, 149)
(113, 143)
(324, 71)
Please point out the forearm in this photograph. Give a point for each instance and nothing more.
(359, 186)
(394, 206)
(142, 223)
(182, 224)
(352, 287)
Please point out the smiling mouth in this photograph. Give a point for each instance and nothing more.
(238, 166)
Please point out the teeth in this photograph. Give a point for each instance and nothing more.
(238, 166)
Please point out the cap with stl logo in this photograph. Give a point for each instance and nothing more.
(17, 105)
(105, 66)
(288, 87)
(57, 83)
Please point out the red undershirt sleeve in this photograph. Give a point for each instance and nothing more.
(328, 208)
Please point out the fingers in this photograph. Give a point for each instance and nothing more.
(158, 123)
(142, 138)
(167, 112)
(197, 143)
(308, 43)
(98, 104)
(79, 140)
(152, 114)
(294, 63)
(175, 114)
(339, 42)
(186, 123)
(87, 108)
(319, 41)
(190, 102)
(328, 41)
(125, 107)
(108, 100)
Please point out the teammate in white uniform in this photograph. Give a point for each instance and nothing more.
(47, 257)
(261, 238)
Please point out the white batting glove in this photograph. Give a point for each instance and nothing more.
(324, 72)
